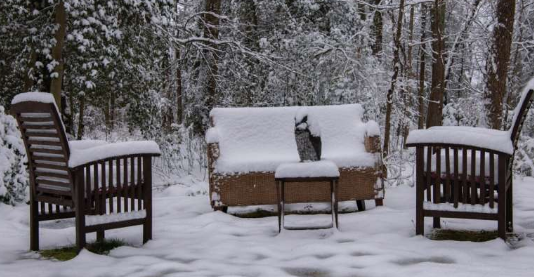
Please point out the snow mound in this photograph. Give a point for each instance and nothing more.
(307, 170)
(80, 157)
(260, 139)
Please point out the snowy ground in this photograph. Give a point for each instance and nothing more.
(192, 240)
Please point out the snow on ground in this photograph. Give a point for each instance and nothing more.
(192, 240)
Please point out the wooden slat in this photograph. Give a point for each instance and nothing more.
(96, 189)
(42, 209)
(428, 173)
(473, 177)
(36, 119)
(62, 201)
(37, 164)
(44, 142)
(53, 183)
(28, 134)
(437, 185)
(492, 181)
(53, 191)
(104, 190)
(133, 185)
(47, 151)
(456, 184)
(40, 127)
(110, 185)
(119, 185)
(139, 184)
(465, 188)
(125, 184)
(482, 178)
(88, 193)
(447, 188)
(50, 159)
(51, 174)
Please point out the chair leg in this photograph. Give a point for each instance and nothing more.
(100, 236)
(509, 210)
(34, 227)
(379, 202)
(361, 205)
(223, 209)
(437, 222)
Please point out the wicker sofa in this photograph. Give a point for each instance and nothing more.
(245, 145)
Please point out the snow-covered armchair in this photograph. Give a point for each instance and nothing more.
(246, 145)
(103, 185)
(466, 172)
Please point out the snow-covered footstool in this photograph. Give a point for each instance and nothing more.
(319, 171)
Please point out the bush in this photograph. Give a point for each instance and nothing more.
(13, 175)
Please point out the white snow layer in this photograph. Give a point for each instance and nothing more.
(91, 220)
(373, 129)
(190, 240)
(260, 139)
(472, 136)
(307, 169)
(80, 157)
(42, 97)
(448, 207)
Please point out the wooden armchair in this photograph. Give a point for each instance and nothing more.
(466, 172)
(104, 186)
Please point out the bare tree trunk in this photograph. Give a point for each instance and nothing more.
(378, 25)
(499, 61)
(411, 76)
(28, 80)
(179, 92)
(57, 79)
(211, 31)
(81, 124)
(396, 68)
(422, 69)
(435, 106)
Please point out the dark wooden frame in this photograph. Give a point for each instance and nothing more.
(454, 188)
(280, 192)
(57, 191)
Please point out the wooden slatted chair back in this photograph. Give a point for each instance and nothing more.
(521, 115)
(48, 151)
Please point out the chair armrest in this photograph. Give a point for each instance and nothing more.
(83, 157)
(372, 144)
(459, 136)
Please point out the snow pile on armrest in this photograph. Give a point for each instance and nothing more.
(307, 170)
(80, 157)
(472, 136)
(43, 97)
(373, 129)
(212, 135)
(85, 144)
(260, 139)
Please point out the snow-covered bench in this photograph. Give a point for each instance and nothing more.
(466, 172)
(246, 145)
(103, 185)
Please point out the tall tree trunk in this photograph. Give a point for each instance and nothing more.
(211, 31)
(422, 69)
(377, 28)
(179, 92)
(28, 78)
(57, 78)
(437, 90)
(81, 124)
(396, 69)
(411, 76)
(499, 61)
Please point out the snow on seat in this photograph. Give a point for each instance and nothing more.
(260, 139)
(495, 140)
(315, 169)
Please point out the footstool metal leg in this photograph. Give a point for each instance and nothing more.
(279, 201)
(282, 204)
(336, 203)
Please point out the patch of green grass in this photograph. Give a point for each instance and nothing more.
(69, 252)
(463, 235)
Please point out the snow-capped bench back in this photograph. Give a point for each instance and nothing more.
(466, 172)
(104, 185)
(260, 139)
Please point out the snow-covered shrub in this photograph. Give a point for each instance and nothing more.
(13, 175)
